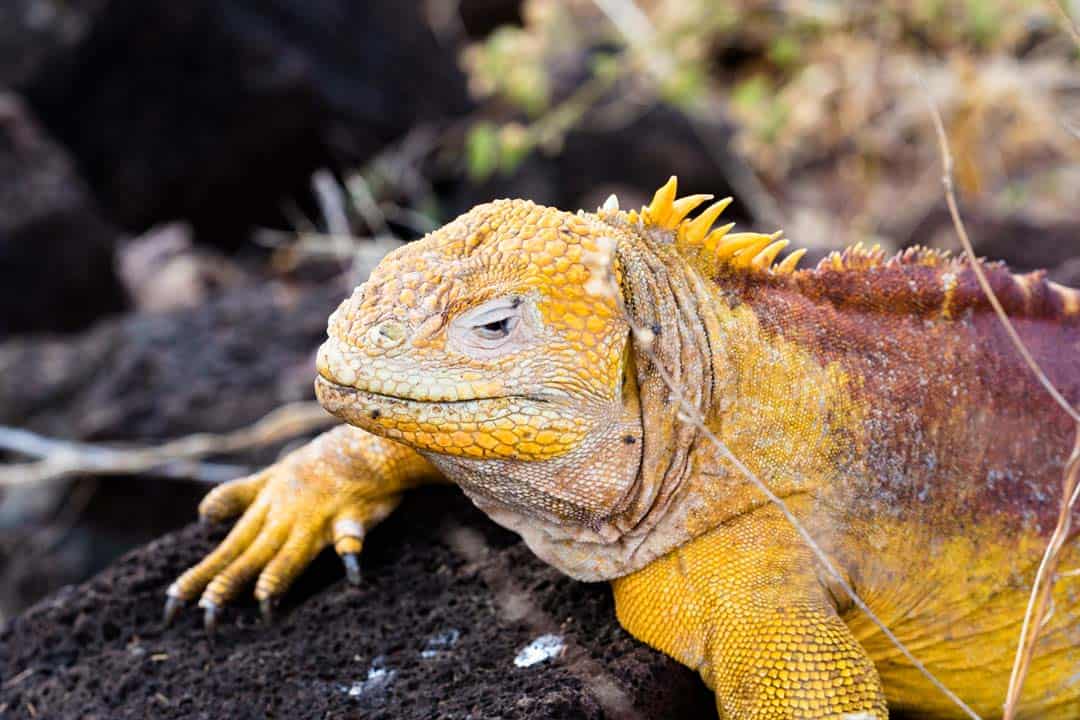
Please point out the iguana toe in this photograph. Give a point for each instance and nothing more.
(303, 544)
(193, 582)
(240, 572)
(232, 498)
(290, 512)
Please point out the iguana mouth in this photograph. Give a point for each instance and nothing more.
(346, 400)
(398, 380)
(504, 427)
(358, 390)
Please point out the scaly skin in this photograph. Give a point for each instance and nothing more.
(880, 398)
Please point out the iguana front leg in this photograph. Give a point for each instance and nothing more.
(332, 490)
(743, 606)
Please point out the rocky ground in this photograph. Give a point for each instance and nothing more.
(455, 619)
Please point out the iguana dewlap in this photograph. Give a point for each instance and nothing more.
(880, 398)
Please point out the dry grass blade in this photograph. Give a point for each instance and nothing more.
(62, 459)
(969, 251)
(1066, 19)
(1039, 600)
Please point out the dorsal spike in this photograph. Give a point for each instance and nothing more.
(744, 258)
(738, 243)
(740, 251)
(684, 206)
(860, 257)
(659, 210)
(764, 259)
(717, 238)
(788, 264)
(694, 231)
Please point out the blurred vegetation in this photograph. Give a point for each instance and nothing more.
(826, 98)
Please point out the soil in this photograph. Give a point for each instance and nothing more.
(447, 603)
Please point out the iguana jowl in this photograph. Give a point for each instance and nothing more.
(879, 397)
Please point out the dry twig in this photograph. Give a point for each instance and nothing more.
(24, 442)
(63, 459)
(1067, 20)
(1039, 600)
(331, 202)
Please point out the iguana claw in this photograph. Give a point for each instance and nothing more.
(352, 568)
(211, 613)
(266, 608)
(173, 606)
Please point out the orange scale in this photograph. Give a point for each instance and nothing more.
(555, 248)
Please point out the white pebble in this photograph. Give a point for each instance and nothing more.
(543, 648)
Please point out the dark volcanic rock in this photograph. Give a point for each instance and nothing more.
(217, 110)
(152, 376)
(447, 603)
(32, 31)
(56, 251)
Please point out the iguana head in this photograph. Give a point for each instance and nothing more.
(480, 345)
(527, 352)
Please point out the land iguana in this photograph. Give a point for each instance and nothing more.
(879, 397)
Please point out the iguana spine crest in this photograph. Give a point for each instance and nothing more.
(918, 280)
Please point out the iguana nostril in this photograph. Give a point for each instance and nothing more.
(387, 334)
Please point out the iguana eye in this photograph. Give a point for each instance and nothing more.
(496, 329)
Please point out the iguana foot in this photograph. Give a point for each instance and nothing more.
(289, 513)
